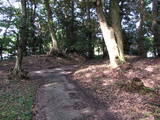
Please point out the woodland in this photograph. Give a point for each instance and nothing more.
(79, 60)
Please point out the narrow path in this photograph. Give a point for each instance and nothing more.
(60, 99)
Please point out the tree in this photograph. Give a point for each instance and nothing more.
(75, 27)
(116, 24)
(70, 26)
(54, 49)
(141, 48)
(90, 33)
(32, 42)
(155, 25)
(18, 70)
(109, 36)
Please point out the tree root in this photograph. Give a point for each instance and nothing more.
(135, 85)
(56, 54)
(18, 75)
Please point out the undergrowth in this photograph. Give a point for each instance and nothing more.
(16, 100)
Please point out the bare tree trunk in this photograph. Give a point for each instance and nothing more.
(32, 25)
(155, 25)
(1, 49)
(109, 37)
(54, 49)
(141, 46)
(18, 71)
(72, 24)
(90, 34)
(105, 52)
(40, 46)
(116, 24)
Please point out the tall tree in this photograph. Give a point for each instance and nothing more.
(18, 70)
(155, 25)
(90, 32)
(32, 27)
(109, 36)
(116, 24)
(141, 48)
(54, 49)
(72, 23)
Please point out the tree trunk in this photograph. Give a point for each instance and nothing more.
(141, 48)
(54, 50)
(18, 71)
(72, 26)
(104, 49)
(90, 46)
(109, 37)
(155, 26)
(32, 25)
(40, 46)
(90, 34)
(1, 49)
(116, 24)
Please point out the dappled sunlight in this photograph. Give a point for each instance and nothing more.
(38, 72)
(90, 68)
(88, 75)
(87, 111)
(108, 82)
(80, 59)
(112, 86)
(82, 70)
(50, 84)
(46, 71)
(152, 81)
(149, 68)
(88, 80)
(149, 82)
(65, 72)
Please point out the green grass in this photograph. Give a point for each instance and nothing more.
(16, 101)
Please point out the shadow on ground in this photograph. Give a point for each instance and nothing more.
(60, 99)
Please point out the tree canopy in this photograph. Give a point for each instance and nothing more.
(90, 28)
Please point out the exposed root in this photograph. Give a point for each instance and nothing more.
(18, 74)
(56, 54)
(136, 85)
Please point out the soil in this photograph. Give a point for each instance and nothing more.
(69, 89)
(113, 87)
(59, 99)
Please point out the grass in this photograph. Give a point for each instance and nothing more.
(16, 100)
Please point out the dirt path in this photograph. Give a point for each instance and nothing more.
(59, 99)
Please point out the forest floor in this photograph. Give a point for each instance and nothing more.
(17, 97)
(112, 87)
(60, 99)
(84, 90)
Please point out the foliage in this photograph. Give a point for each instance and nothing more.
(73, 26)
